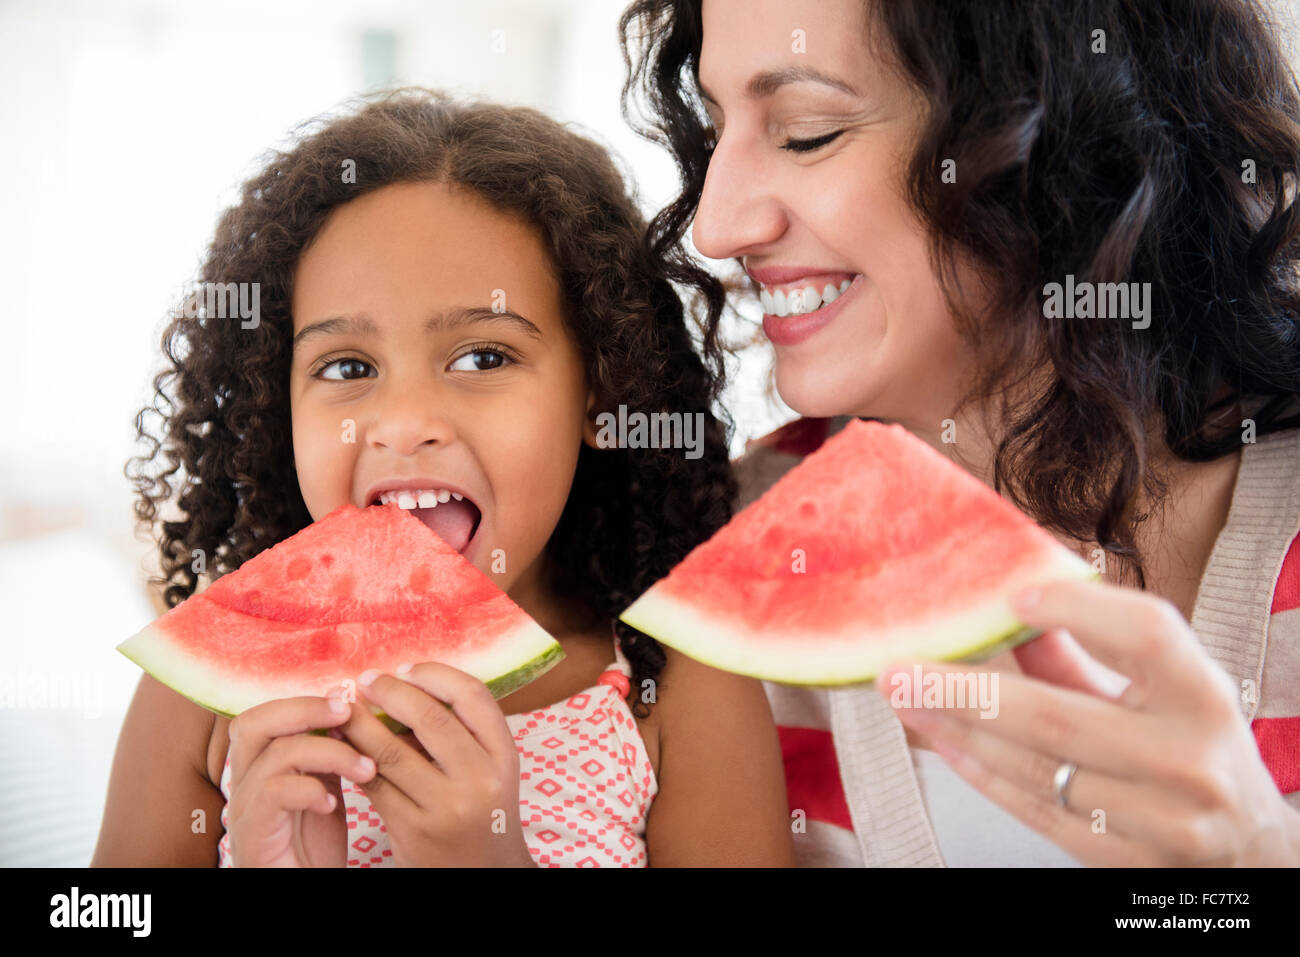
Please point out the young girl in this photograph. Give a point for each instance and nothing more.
(449, 295)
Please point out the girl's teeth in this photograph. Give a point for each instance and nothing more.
(418, 498)
(800, 301)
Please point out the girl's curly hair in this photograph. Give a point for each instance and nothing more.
(223, 404)
(1115, 166)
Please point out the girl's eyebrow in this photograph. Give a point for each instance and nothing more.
(363, 325)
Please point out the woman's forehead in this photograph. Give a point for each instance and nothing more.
(758, 50)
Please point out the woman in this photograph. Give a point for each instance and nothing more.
(928, 197)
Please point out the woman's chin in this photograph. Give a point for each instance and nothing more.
(812, 394)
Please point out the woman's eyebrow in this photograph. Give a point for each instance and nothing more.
(765, 84)
(362, 325)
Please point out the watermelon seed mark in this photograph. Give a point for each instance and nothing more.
(421, 578)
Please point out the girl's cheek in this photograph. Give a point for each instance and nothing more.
(323, 452)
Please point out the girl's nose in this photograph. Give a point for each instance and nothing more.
(738, 210)
(407, 418)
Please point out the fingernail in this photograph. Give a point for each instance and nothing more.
(367, 678)
(367, 766)
(1027, 600)
(403, 669)
(337, 704)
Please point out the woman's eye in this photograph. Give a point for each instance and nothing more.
(479, 360)
(807, 146)
(346, 369)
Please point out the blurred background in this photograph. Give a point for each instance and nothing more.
(127, 126)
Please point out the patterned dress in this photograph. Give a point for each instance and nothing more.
(585, 784)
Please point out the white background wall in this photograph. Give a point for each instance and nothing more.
(125, 128)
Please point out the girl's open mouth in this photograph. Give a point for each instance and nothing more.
(453, 517)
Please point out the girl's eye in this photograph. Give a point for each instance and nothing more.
(480, 360)
(807, 146)
(347, 369)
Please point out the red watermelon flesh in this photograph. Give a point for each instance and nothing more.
(359, 589)
(874, 548)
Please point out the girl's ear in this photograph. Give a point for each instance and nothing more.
(590, 429)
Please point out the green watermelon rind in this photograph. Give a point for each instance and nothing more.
(149, 649)
(983, 633)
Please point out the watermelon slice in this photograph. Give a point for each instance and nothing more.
(875, 548)
(361, 588)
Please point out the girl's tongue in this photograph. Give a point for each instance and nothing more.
(453, 521)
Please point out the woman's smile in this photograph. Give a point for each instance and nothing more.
(790, 320)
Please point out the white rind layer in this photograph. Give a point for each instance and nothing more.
(816, 657)
(526, 648)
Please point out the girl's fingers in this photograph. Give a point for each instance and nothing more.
(401, 775)
(253, 730)
(293, 792)
(452, 714)
(1055, 657)
(302, 755)
(472, 702)
(1139, 635)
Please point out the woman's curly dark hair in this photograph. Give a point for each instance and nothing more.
(223, 404)
(1127, 165)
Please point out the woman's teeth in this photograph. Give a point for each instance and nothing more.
(419, 497)
(801, 300)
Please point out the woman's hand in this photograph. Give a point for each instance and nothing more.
(282, 810)
(1168, 770)
(456, 804)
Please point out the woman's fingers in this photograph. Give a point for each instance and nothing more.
(1072, 725)
(1137, 634)
(1071, 832)
(1055, 657)
(1109, 805)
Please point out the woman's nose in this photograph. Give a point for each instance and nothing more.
(407, 418)
(737, 209)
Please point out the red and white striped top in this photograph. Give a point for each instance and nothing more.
(847, 763)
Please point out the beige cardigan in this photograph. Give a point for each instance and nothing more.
(1231, 617)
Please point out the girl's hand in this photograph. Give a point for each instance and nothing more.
(456, 804)
(1168, 770)
(281, 814)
